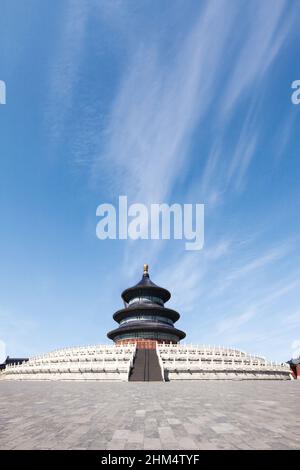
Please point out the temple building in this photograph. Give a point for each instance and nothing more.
(146, 348)
(145, 320)
(295, 367)
(12, 360)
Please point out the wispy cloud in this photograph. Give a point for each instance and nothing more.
(163, 98)
(292, 319)
(263, 37)
(237, 328)
(158, 106)
(232, 323)
(218, 250)
(248, 78)
(64, 67)
(259, 262)
(183, 278)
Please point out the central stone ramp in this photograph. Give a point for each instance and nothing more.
(145, 367)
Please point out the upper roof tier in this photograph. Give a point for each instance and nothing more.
(144, 288)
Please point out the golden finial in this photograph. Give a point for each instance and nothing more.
(145, 268)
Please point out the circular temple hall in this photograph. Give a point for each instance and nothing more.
(144, 319)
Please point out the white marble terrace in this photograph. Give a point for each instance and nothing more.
(78, 363)
(196, 362)
(178, 362)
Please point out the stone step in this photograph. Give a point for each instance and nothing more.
(145, 367)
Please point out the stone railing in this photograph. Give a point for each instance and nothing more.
(161, 364)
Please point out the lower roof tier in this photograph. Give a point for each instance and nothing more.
(147, 327)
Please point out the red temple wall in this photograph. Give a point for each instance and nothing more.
(295, 369)
(141, 343)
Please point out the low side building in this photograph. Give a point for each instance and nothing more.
(12, 360)
(295, 367)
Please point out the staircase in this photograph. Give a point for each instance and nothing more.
(145, 367)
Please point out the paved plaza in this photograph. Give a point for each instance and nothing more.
(176, 415)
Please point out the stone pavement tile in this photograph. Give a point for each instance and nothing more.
(166, 434)
(116, 444)
(172, 421)
(169, 413)
(170, 445)
(32, 443)
(135, 437)
(121, 434)
(78, 448)
(187, 443)
(150, 420)
(151, 434)
(191, 428)
(207, 445)
(97, 446)
(224, 444)
(243, 446)
(152, 443)
(133, 446)
(285, 440)
(178, 430)
(221, 428)
(260, 444)
(150, 426)
(278, 446)
(199, 420)
(217, 414)
(227, 446)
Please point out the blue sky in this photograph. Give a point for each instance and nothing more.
(162, 101)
